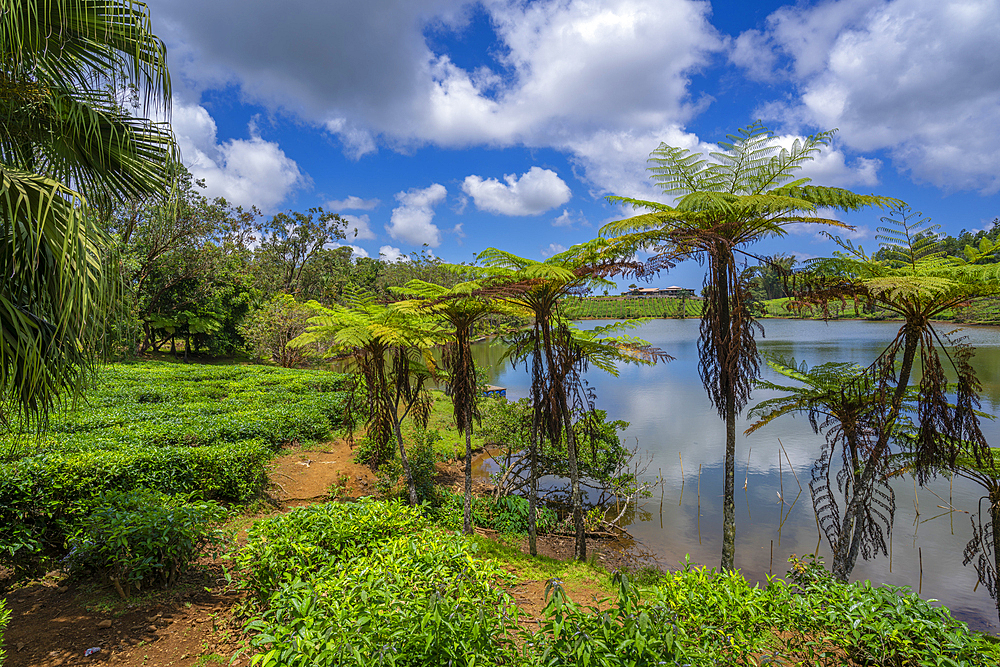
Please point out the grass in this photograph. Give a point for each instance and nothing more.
(451, 446)
(525, 566)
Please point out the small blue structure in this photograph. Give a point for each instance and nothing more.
(493, 390)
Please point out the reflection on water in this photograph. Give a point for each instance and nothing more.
(672, 419)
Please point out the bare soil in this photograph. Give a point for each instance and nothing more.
(302, 476)
(55, 621)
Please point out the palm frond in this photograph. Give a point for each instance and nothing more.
(54, 292)
(64, 42)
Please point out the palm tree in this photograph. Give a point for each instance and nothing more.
(725, 203)
(911, 278)
(68, 151)
(392, 348)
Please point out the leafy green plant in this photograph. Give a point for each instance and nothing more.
(338, 489)
(880, 625)
(269, 330)
(369, 583)
(423, 457)
(4, 620)
(180, 429)
(507, 515)
(369, 452)
(630, 633)
(145, 538)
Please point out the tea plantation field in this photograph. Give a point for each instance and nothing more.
(191, 429)
(625, 309)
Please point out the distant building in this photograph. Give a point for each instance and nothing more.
(673, 292)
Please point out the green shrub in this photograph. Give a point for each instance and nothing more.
(367, 452)
(43, 497)
(507, 515)
(630, 633)
(303, 540)
(144, 538)
(721, 613)
(423, 458)
(422, 454)
(881, 625)
(369, 584)
(176, 428)
(4, 620)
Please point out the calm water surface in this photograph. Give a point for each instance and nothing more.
(672, 420)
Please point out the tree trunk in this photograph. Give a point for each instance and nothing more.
(842, 552)
(407, 472)
(995, 520)
(729, 489)
(533, 483)
(580, 551)
(467, 510)
(724, 351)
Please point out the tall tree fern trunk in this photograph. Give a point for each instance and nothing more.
(467, 510)
(725, 350)
(729, 490)
(995, 520)
(533, 490)
(536, 416)
(407, 471)
(580, 550)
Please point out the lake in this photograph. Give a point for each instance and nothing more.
(673, 422)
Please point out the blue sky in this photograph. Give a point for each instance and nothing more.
(503, 123)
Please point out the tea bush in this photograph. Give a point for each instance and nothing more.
(369, 583)
(4, 620)
(879, 625)
(145, 538)
(507, 515)
(175, 428)
(630, 633)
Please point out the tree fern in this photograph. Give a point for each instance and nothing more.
(905, 240)
(724, 202)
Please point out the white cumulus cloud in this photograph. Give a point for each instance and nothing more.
(832, 167)
(412, 220)
(247, 172)
(389, 254)
(917, 78)
(356, 251)
(352, 203)
(553, 249)
(559, 74)
(534, 192)
(569, 218)
(358, 227)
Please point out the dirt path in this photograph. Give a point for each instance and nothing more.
(303, 476)
(55, 621)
